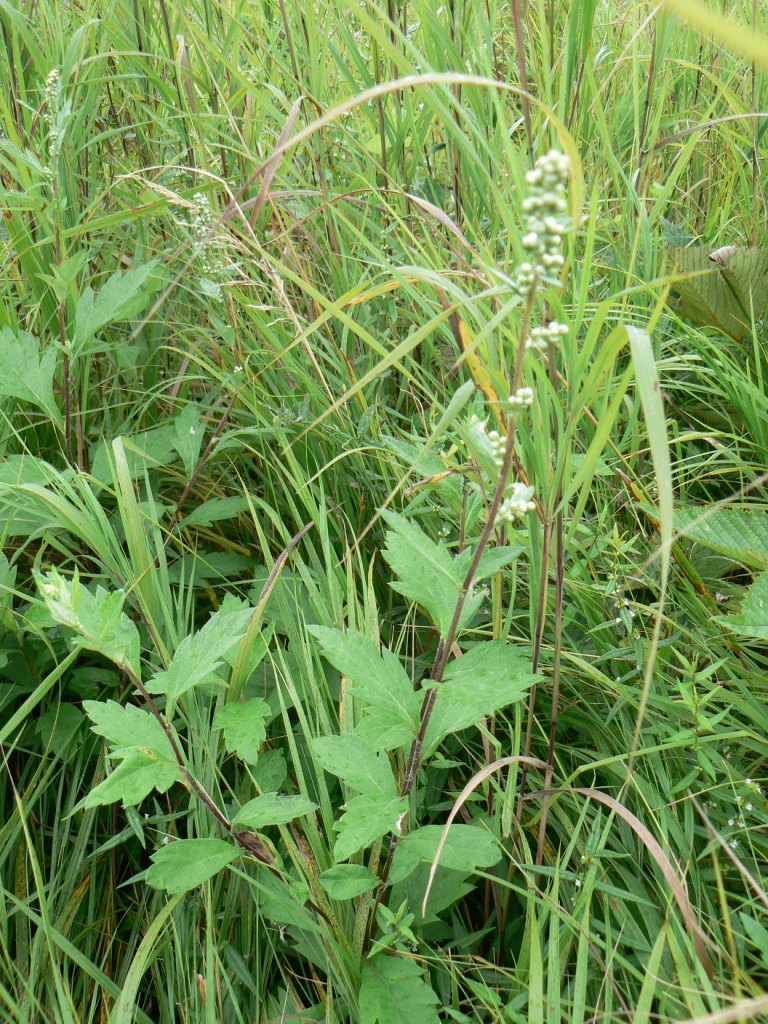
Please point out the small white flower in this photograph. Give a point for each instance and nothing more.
(522, 397)
(516, 504)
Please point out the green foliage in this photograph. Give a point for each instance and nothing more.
(125, 725)
(727, 288)
(429, 575)
(381, 684)
(97, 618)
(375, 812)
(246, 464)
(140, 772)
(739, 533)
(345, 881)
(486, 679)
(199, 655)
(752, 620)
(121, 297)
(243, 726)
(272, 809)
(393, 988)
(187, 863)
(28, 373)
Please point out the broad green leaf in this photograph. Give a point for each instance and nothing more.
(27, 374)
(273, 809)
(448, 887)
(356, 764)
(126, 726)
(131, 781)
(244, 727)
(735, 281)
(345, 881)
(187, 863)
(427, 572)
(492, 560)
(143, 451)
(189, 431)
(379, 680)
(198, 656)
(285, 902)
(123, 296)
(489, 677)
(58, 726)
(97, 618)
(739, 533)
(393, 990)
(752, 620)
(467, 848)
(216, 510)
(367, 818)
(271, 771)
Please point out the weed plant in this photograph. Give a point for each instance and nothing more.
(385, 545)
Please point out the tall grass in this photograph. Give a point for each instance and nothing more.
(303, 311)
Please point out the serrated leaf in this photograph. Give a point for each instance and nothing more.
(198, 656)
(393, 990)
(27, 374)
(145, 450)
(466, 848)
(189, 431)
(427, 572)
(379, 680)
(351, 759)
(138, 774)
(216, 510)
(123, 296)
(97, 618)
(273, 809)
(739, 533)
(489, 677)
(244, 727)
(367, 818)
(752, 620)
(126, 726)
(492, 560)
(735, 282)
(345, 881)
(187, 863)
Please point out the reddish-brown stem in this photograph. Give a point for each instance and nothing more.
(444, 647)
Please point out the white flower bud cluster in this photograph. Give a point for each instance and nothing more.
(52, 111)
(61, 597)
(540, 337)
(521, 398)
(201, 221)
(545, 220)
(52, 91)
(498, 446)
(516, 504)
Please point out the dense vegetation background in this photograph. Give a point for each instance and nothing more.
(258, 278)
